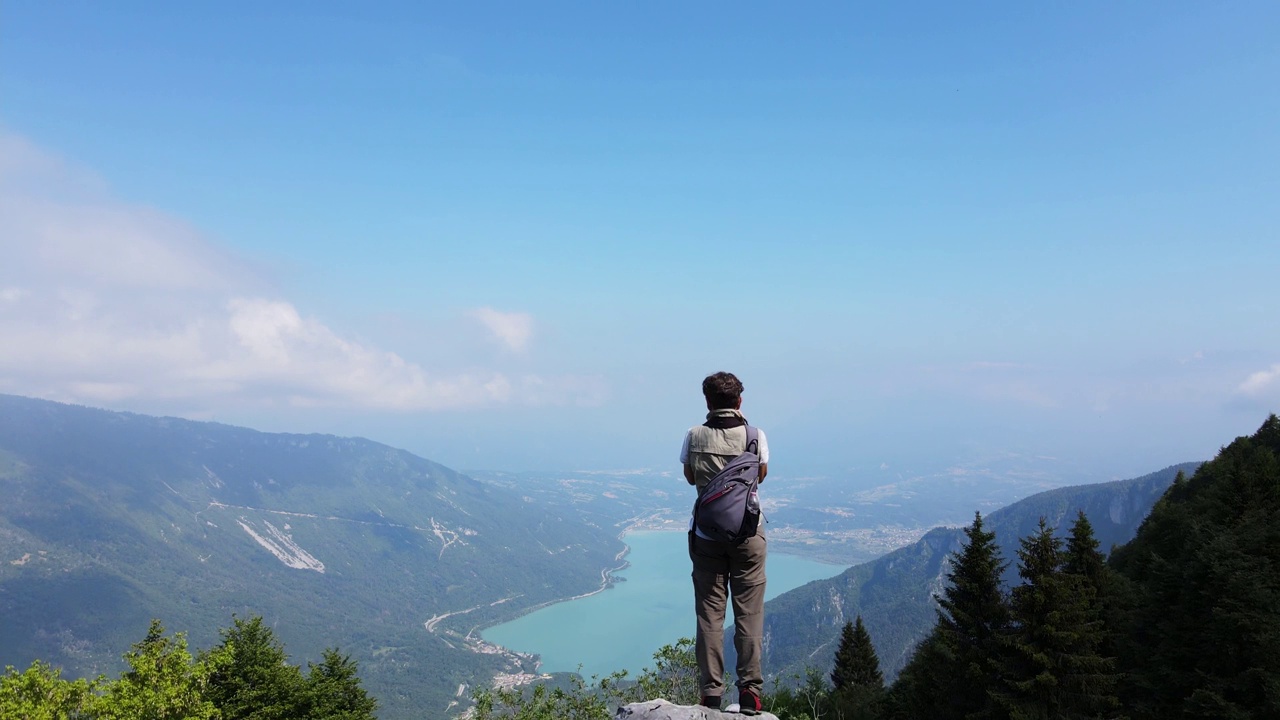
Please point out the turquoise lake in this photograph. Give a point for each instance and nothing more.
(620, 628)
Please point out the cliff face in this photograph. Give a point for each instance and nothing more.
(894, 594)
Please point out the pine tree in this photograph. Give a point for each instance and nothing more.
(333, 690)
(250, 675)
(843, 667)
(1051, 667)
(972, 618)
(1082, 557)
(856, 660)
(858, 684)
(1102, 589)
(1029, 682)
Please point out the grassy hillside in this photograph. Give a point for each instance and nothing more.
(110, 519)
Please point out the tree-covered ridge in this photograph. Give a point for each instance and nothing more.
(1184, 621)
(894, 594)
(109, 519)
(1200, 598)
(247, 676)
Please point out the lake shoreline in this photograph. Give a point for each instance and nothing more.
(606, 581)
(653, 599)
(607, 575)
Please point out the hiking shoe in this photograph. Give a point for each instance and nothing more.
(711, 701)
(749, 702)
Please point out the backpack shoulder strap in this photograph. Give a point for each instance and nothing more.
(753, 440)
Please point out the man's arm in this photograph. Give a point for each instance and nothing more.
(764, 455)
(684, 458)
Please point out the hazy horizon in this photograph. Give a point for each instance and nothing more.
(517, 237)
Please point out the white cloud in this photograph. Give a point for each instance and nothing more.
(103, 301)
(513, 330)
(1261, 383)
(60, 225)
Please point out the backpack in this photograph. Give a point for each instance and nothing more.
(728, 508)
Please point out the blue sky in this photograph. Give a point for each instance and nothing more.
(517, 235)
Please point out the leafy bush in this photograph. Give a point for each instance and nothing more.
(246, 676)
(673, 677)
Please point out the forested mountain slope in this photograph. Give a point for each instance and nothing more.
(894, 594)
(1199, 620)
(109, 519)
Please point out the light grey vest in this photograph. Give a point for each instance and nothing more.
(710, 449)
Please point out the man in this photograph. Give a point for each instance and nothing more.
(722, 569)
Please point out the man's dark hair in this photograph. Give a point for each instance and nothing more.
(722, 390)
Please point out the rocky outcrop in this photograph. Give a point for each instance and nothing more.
(663, 710)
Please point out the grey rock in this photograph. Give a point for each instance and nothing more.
(663, 710)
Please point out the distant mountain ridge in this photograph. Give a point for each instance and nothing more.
(894, 594)
(109, 519)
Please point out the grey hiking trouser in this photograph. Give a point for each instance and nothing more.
(722, 570)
